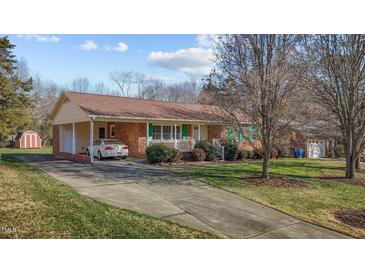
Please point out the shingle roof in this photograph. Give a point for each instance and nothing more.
(106, 105)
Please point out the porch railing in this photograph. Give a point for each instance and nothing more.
(180, 144)
(219, 148)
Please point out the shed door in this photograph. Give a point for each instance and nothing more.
(27, 141)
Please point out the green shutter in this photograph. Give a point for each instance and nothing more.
(184, 131)
(230, 135)
(150, 129)
(240, 137)
(250, 134)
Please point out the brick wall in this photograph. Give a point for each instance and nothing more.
(81, 158)
(132, 134)
(215, 132)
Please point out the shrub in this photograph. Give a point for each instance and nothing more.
(282, 146)
(209, 149)
(175, 155)
(250, 154)
(339, 151)
(157, 153)
(273, 153)
(242, 154)
(257, 154)
(230, 151)
(198, 154)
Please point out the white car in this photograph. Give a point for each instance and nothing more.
(105, 148)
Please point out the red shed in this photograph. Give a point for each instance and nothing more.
(28, 139)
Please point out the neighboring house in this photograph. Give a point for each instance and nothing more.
(314, 141)
(81, 118)
(28, 139)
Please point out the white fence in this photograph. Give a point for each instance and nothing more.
(182, 145)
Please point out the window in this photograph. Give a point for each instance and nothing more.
(156, 133)
(113, 142)
(240, 134)
(112, 131)
(166, 132)
(178, 132)
(101, 132)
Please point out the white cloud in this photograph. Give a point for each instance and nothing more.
(89, 45)
(191, 61)
(40, 38)
(121, 47)
(207, 40)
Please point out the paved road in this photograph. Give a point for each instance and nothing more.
(176, 198)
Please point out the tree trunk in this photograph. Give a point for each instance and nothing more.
(265, 164)
(357, 163)
(350, 166)
(350, 159)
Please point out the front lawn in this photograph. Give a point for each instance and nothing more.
(35, 205)
(315, 203)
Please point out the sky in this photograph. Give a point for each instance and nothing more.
(62, 58)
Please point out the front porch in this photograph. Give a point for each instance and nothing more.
(71, 140)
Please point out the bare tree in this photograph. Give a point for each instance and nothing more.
(22, 69)
(183, 92)
(257, 75)
(123, 80)
(100, 88)
(153, 89)
(80, 84)
(337, 77)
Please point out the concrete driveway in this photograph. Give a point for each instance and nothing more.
(177, 198)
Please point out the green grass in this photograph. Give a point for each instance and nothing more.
(39, 206)
(314, 203)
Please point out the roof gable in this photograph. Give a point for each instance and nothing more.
(67, 111)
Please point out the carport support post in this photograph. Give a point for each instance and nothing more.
(73, 139)
(175, 137)
(91, 140)
(147, 135)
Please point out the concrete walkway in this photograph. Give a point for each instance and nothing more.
(176, 198)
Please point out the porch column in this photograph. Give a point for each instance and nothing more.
(91, 151)
(73, 139)
(147, 134)
(199, 132)
(175, 137)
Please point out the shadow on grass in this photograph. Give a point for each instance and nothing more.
(300, 170)
(12, 161)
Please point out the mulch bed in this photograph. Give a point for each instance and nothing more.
(351, 217)
(359, 181)
(274, 181)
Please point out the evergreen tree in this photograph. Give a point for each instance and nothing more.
(15, 102)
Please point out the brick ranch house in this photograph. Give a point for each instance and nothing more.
(81, 118)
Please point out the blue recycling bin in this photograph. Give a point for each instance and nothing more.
(301, 153)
